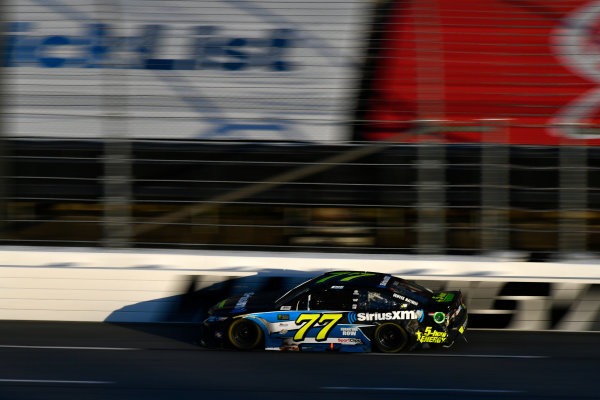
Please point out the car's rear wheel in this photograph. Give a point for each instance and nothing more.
(390, 338)
(245, 334)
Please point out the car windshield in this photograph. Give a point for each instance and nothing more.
(410, 288)
(295, 292)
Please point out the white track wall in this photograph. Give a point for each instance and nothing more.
(146, 286)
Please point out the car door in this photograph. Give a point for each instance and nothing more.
(312, 316)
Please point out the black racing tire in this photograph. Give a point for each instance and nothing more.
(390, 338)
(245, 334)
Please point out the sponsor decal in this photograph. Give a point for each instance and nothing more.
(406, 299)
(286, 308)
(384, 281)
(575, 43)
(352, 317)
(350, 331)
(347, 276)
(307, 321)
(419, 315)
(388, 316)
(431, 336)
(96, 47)
(458, 310)
(438, 317)
(241, 303)
(283, 317)
(443, 297)
(566, 47)
(337, 287)
(349, 340)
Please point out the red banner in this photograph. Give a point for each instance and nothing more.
(530, 69)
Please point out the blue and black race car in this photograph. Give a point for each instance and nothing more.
(339, 311)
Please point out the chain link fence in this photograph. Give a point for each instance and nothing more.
(422, 198)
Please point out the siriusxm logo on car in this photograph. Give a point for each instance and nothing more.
(97, 47)
(386, 316)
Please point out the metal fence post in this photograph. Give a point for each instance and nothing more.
(117, 147)
(431, 198)
(495, 199)
(572, 199)
(117, 200)
(3, 132)
(431, 153)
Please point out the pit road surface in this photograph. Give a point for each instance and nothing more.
(59, 360)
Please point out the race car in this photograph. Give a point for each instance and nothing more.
(344, 311)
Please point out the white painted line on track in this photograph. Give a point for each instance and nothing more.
(409, 389)
(454, 355)
(56, 381)
(6, 346)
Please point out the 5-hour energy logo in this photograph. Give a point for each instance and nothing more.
(431, 336)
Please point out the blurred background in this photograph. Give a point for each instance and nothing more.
(416, 127)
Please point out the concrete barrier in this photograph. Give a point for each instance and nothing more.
(165, 286)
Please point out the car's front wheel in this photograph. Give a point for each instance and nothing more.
(390, 338)
(245, 334)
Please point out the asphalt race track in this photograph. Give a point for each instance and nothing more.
(53, 360)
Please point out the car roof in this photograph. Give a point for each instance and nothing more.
(371, 280)
(356, 280)
(351, 279)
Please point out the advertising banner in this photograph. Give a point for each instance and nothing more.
(531, 69)
(220, 69)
